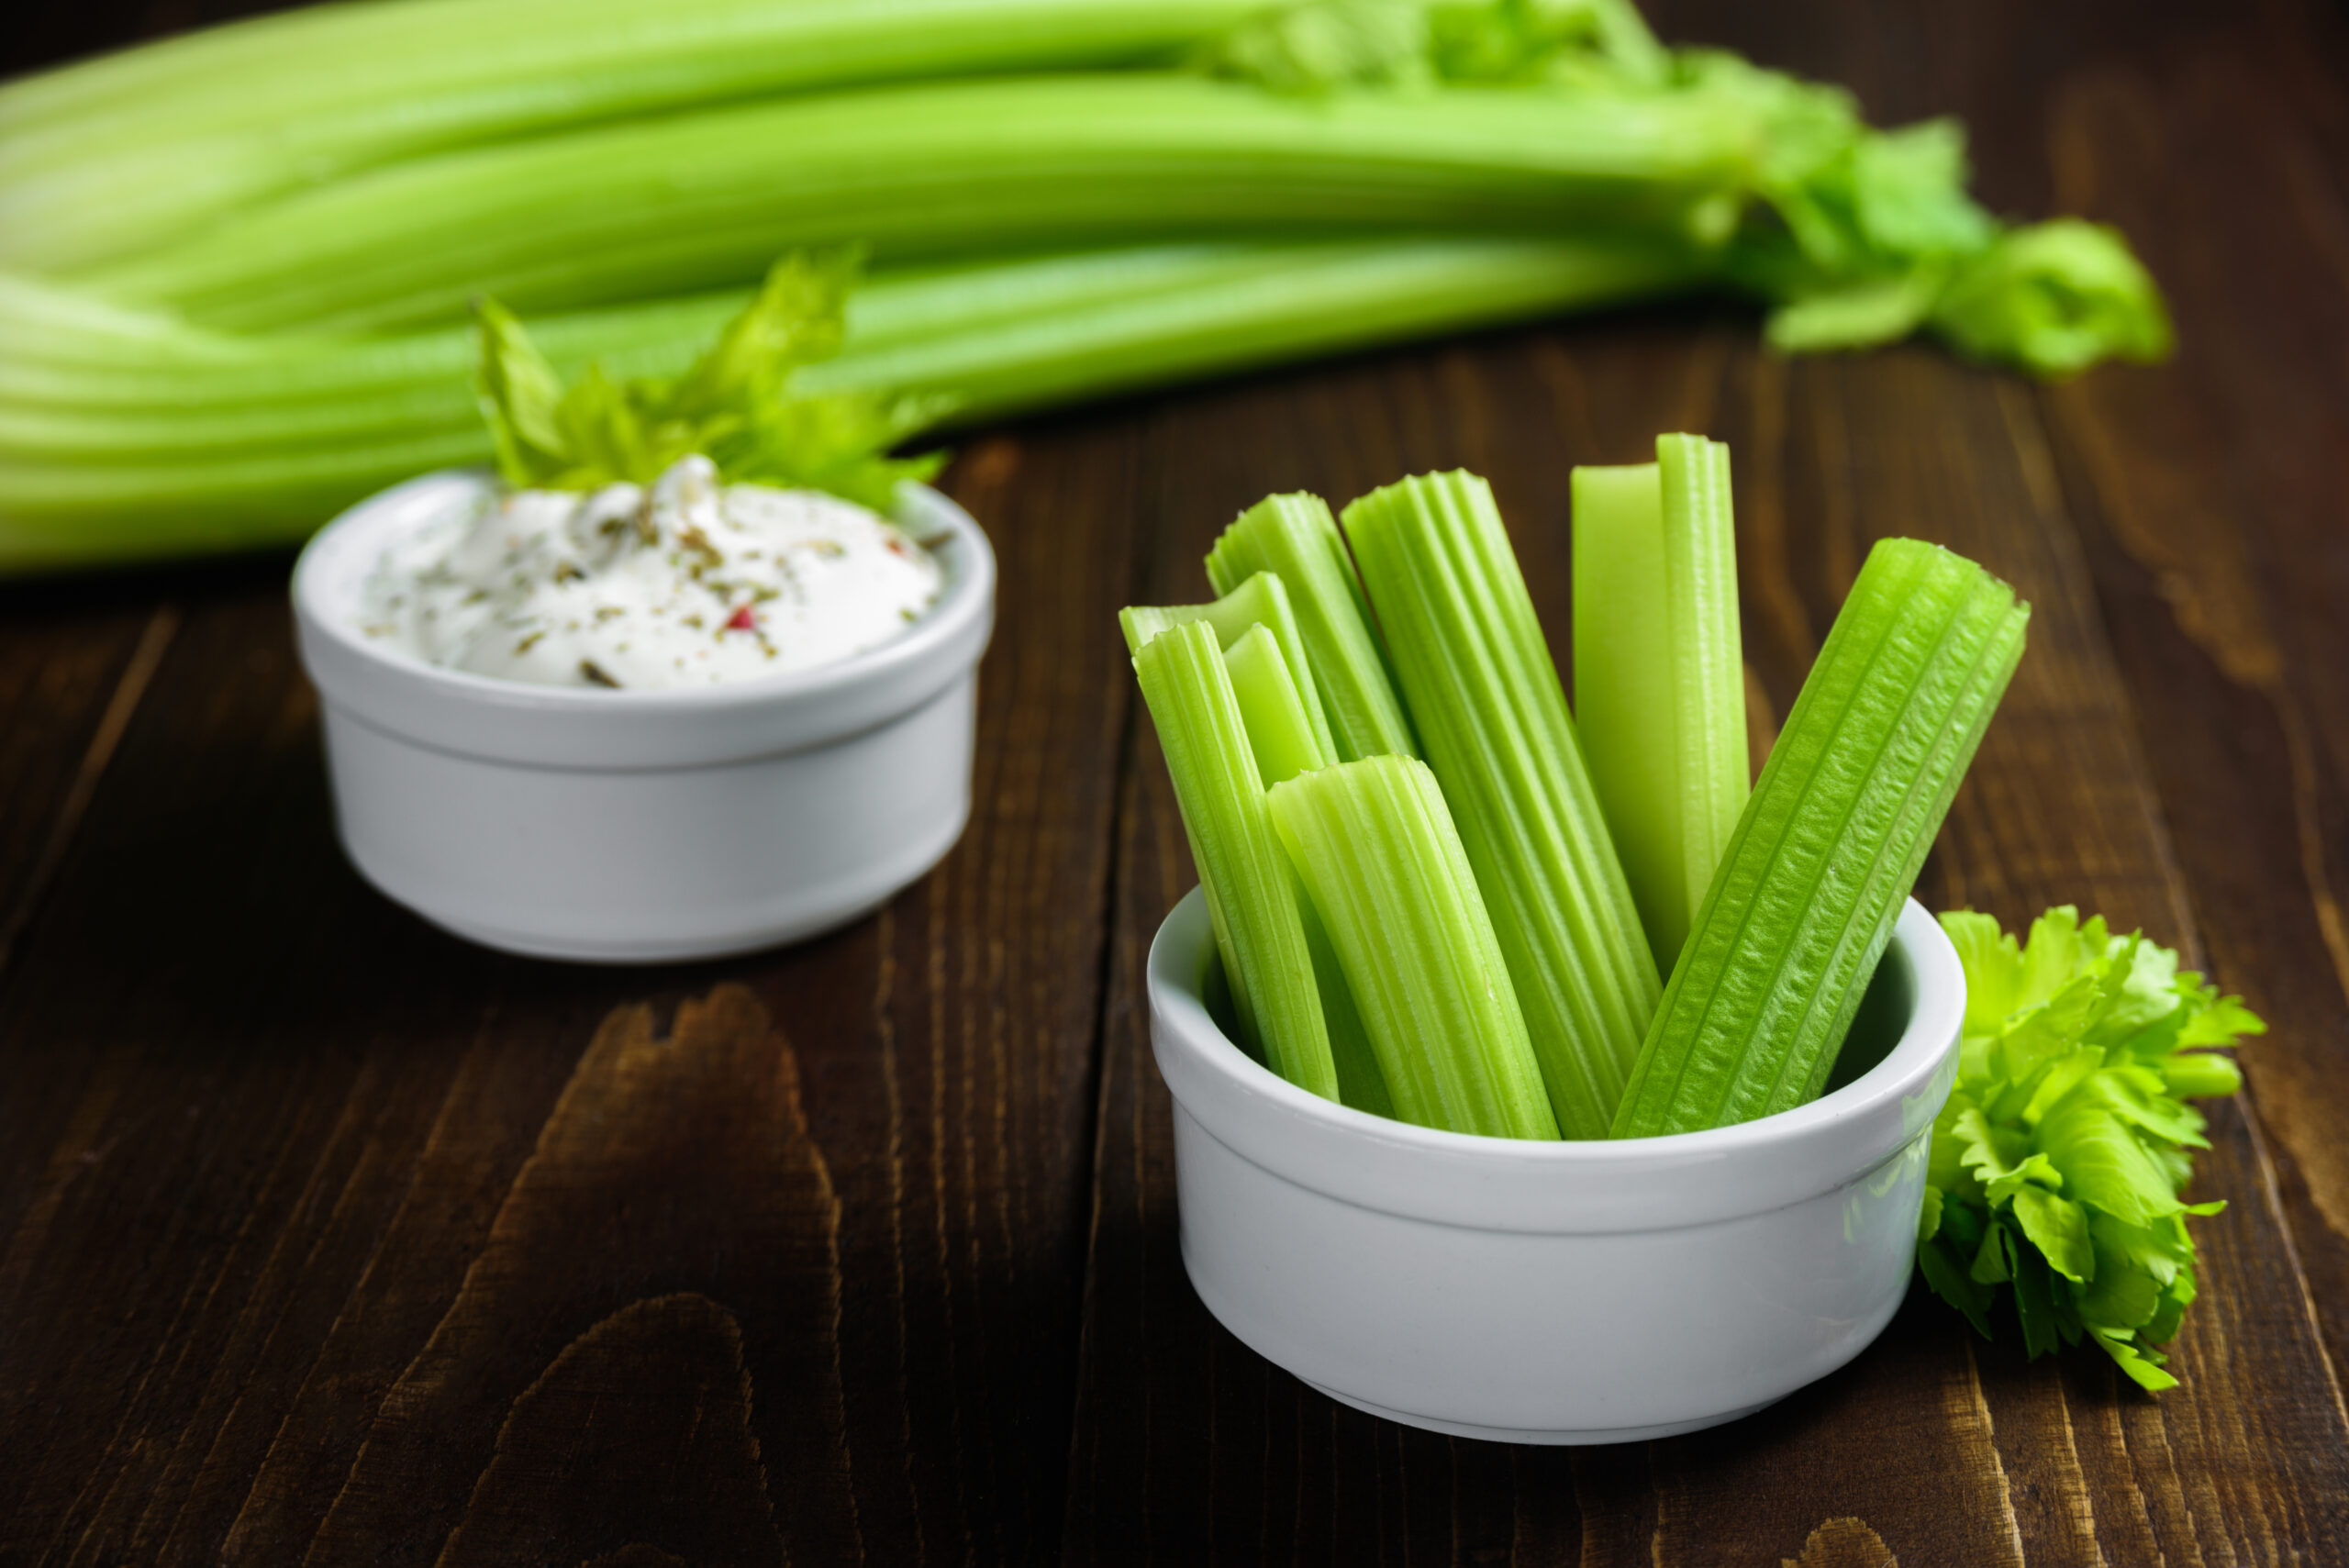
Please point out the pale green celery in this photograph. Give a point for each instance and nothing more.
(1280, 736)
(1296, 537)
(1846, 807)
(1262, 600)
(1285, 743)
(141, 488)
(1291, 300)
(2054, 297)
(1251, 891)
(1375, 845)
(1484, 693)
(958, 168)
(1659, 678)
(120, 155)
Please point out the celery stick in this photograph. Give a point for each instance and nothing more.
(1280, 737)
(1296, 535)
(1485, 694)
(1262, 600)
(1659, 681)
(1285, 745)
(1623, 684)
(1381, 862)
(1251, 891)
(1362, 1084)
(1846, 807)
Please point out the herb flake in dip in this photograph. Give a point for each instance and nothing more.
(687, 583)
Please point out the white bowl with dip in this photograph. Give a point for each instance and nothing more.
(1555, 1292)
(643, 826)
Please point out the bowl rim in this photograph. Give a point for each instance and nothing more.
(1462, 1179)
(516, 722)
(970, 580)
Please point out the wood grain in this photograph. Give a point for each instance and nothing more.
(325, 1238)
(2006, 1463)
(312, 1195)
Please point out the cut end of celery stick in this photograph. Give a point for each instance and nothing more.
(1840, 822)
(1279, 735)
(1623, 688)
(1659, 674)
(1382, 866)
(1485, 694)
(1262, 600)
(1296, 537)
(1252, 893)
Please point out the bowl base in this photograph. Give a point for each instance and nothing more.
(1553, 1439)
(652, 951)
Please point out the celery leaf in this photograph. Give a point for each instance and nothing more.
(2058, 1165)
(734, 405)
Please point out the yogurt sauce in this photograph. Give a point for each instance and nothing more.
(688, 584)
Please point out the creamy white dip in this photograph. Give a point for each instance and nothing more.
(687, 584)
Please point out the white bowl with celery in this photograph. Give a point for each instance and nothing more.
(1517, 1121)
(694, 673)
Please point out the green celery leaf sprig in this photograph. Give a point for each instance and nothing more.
(734, 405)
(2057, 1165)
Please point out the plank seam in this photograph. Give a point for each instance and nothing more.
(130, 691)
(1113, 888)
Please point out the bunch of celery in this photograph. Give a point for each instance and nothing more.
(233, 265)
(1497, 916)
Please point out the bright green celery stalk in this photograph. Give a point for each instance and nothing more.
(1296, 537)
(1250, 890)
(1285, 743)
(142, 459)
(1659, 677)
(1375, 845)
(117, 154)
(1262, 600)
(1806, 896)
(1484, 693)
(950, 168)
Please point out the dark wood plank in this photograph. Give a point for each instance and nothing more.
(2212, 499)
(1188, 1446)
(338, 1226)
(75, 662)
(292, 1190)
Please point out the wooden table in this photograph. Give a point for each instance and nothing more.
(324, 1233)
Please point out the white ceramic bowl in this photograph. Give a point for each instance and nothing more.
(1554, 1292)
(641, 827)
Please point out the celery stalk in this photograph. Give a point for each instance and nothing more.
(1659, 680)
(1286, 744)
(1485, 694)
(1805, 899)
(1251, 891)
(1262, 600)
(962, 168)
(197, 462)
(1382, 863)
(107, 156)
(1296, 537)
